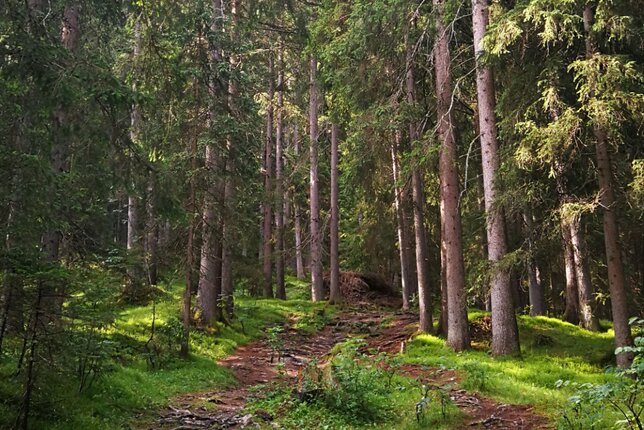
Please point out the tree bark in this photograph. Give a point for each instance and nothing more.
(505, 333)
(186, 309)
(227, 281)
(151, 229)
(279, 180)
(582, 274)
(443, 322)
(458, 337)
(608, 202)
(418, 198)
(536, 290)
(334, 294)
(571, 313)
(226, 301)
(268, 188)
(402, 229)
(297, 215)
(209, 288)
(316, 239)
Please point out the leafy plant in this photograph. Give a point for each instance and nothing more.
(477, 378)
(432, 394)
(275, 341)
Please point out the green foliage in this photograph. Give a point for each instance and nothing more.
(108, 375)
(624, 395)
(432, 395)
(356, 385)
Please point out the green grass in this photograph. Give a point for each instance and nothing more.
(551, 350)
(130, 390)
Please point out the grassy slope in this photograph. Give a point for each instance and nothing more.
(551, 350)
(131, 389)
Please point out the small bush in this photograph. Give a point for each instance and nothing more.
(477, 378)
(352, 384)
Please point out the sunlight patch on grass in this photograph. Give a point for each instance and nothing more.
(566, 352)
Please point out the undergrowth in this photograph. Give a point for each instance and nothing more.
(356, 389)
(139, 376)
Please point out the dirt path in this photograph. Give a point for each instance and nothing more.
(256, 364)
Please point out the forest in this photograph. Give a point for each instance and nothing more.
(322, 214)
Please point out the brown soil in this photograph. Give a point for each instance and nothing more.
(256, 364)
(366, 290)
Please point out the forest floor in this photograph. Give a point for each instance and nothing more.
(284, 356)
(371, 367)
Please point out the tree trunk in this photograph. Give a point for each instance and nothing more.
(268, 188)
(582, 273)
(536, 290)
(418, 197)
(209, 288)
(616, 280)
(279, 180)
(297, 215)
(571, 314)
(151, 230)
(402, 230)
(505, 333)
(407, 206)
(458, 336)
(186, 310)
(227, 282)
(443, 322)
(133, 204)
(316, 239)
(334, 294)
(226, 301)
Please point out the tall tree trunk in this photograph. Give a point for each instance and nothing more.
(402, 231)
(297, 215)
(211, 248)
(458, 336)
(268, 187)
(443, 322)
(317, 293)
(133, 204)
(571, 313)
(191, 209)
(536, 290)
(226, 301)
(209, 288)
(227, 282)
(334, 294)
(407, 206)
(616, 280)
(505, 333)
(582, 273)
(279, 180)
(151, 229)
(418, 197)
